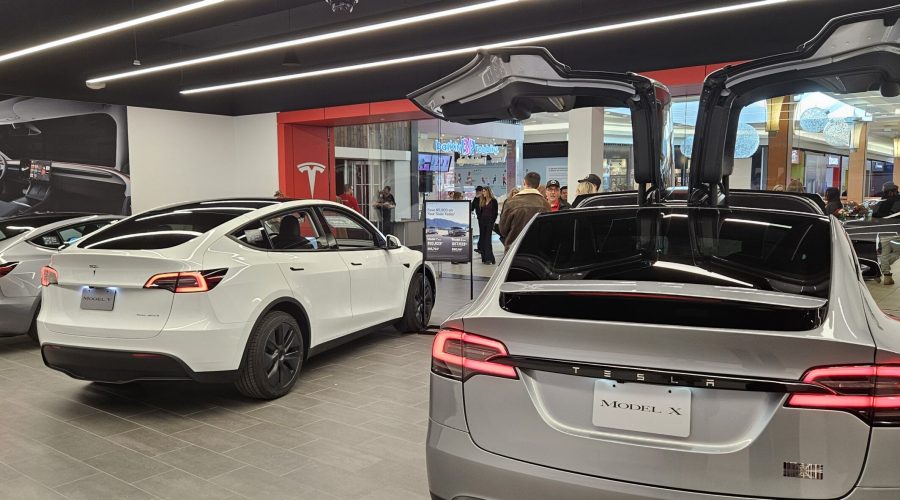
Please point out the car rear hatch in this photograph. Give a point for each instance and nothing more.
(659, 346)
(514, 83)
(116, 276)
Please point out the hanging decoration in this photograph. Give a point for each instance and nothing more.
(837, 133)
(814, 120)
(747, 141)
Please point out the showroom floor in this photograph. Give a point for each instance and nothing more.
(353, 428)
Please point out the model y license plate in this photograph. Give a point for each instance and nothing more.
(654, 409)
(98, 299)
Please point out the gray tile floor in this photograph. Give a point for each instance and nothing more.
(353, 428)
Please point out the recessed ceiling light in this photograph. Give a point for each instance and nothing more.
(897, 111)
(108, 29)
(308, 40)
(468, 50)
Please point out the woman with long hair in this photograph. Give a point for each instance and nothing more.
(486, 219)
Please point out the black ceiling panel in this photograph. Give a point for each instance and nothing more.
(61, 72)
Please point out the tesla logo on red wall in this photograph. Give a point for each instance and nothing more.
(312, 170)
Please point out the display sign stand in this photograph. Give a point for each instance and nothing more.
(447, 235)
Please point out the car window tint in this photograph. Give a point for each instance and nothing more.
(294, 230)
(19, 225)
(69, 235)
(348, 232)
(782, 252)
(165, 228)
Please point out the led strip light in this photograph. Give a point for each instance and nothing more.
(509, 43)
(305, 40)
(108, 29)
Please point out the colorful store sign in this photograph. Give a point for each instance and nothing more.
(466, 146)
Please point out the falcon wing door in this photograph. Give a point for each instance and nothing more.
(853, 54)
(514, 83)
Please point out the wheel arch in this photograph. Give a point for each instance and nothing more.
(293, 307)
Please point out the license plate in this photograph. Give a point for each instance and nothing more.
(653, 409)
(98, 299)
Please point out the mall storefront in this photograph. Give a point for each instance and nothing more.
(325, 152)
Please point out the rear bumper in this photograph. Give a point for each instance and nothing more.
(459, 470)
(103, 365)
(16, 314)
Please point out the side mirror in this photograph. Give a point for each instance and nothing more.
(393, 242)
(870, 269)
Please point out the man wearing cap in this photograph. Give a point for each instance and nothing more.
(554, 198)
(888, 243)
(593, 179)
(518, 210)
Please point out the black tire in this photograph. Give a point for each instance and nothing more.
(273, 357)
(412, 320)
(32, 330)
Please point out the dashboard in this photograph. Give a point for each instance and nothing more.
(40, 171)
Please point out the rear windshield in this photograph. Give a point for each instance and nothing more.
(17, 226)
(774, 251)
(169, 227)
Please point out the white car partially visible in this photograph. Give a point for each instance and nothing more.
(26, 245)
(241, 290)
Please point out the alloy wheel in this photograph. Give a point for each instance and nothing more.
(282, 355)
(424, 303)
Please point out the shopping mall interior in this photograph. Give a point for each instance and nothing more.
(450, 250)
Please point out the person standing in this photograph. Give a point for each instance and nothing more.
(487, 216)
(833, 204)
(595, 180)
(888, 246)
(476, 207)
(554, 198)
(349, 200)
(564, 193)
(518, 211)
(385, 205)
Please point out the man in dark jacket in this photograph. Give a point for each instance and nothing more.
(518, 210)
(554, 197)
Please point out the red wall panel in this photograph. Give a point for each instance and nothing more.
(308, 167)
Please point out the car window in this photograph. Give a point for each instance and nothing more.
(169, 227)
(753, 249)
(293, 230)
(349, 232)
(74, 233)
(19, 225)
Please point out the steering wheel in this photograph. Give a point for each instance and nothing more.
(3, 168)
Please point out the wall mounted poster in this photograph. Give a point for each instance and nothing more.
(63, 156)
(448, 231)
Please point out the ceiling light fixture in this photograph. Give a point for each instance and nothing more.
(307, 40)
(466, 50)
(109, 29)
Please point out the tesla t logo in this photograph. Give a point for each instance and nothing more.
(312, 169)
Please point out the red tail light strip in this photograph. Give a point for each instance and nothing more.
(187, 282)
(460, 354)
(872, 391)
(7, 268)
(49, 276)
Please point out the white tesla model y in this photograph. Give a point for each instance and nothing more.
(241, 290)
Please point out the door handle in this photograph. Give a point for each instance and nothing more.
(356, 263)
(296, 268)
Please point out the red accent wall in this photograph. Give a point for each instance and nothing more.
(304, 136)
(306, 162)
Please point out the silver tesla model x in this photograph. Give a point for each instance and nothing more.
(671, 348)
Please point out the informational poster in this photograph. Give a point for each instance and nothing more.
(448, 231)
(78, 148)
(559, 174)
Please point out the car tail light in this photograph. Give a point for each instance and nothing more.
(871, 392)
(460, 355)
(187, 282)
(49, 276)
(7, 267)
